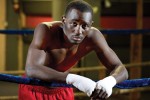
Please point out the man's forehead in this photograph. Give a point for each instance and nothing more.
(77, 15)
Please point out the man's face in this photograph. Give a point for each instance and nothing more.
(76, 24)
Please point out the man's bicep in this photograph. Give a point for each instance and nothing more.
(36, 49)
(109, 59)
(105, 54)
(35, 56)
(40, 38)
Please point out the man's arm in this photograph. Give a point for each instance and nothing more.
(36, 57)
(110, 60)
(108, 57)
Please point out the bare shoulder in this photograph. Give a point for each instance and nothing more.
(96, 38)
(51, 24)
(94, 33)
(45, 28)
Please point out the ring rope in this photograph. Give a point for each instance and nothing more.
(107, 31)
(127, 84)
(74, 70)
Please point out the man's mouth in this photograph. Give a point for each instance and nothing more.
(77, 38)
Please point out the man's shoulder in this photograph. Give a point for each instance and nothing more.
(93, 32)
(48, 28)
(51, 24)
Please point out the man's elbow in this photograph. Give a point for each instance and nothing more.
(29, 71)
(126, 74)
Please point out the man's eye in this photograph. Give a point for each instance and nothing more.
(84, 26)
(74, 24)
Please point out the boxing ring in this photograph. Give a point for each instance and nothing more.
(125, 86)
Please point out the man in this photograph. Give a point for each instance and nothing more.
(58, 45)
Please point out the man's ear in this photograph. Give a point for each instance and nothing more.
(92, 22)
(63, 18)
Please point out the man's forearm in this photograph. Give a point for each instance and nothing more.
(45, 73)
(120, 73)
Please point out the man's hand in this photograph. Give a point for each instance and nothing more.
(103, 88)
(84, 84)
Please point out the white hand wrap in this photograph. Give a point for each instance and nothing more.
(84, 84)
(107, 83)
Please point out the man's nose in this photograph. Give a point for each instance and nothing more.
(79, 29)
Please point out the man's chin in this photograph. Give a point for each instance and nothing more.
(76, 42)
